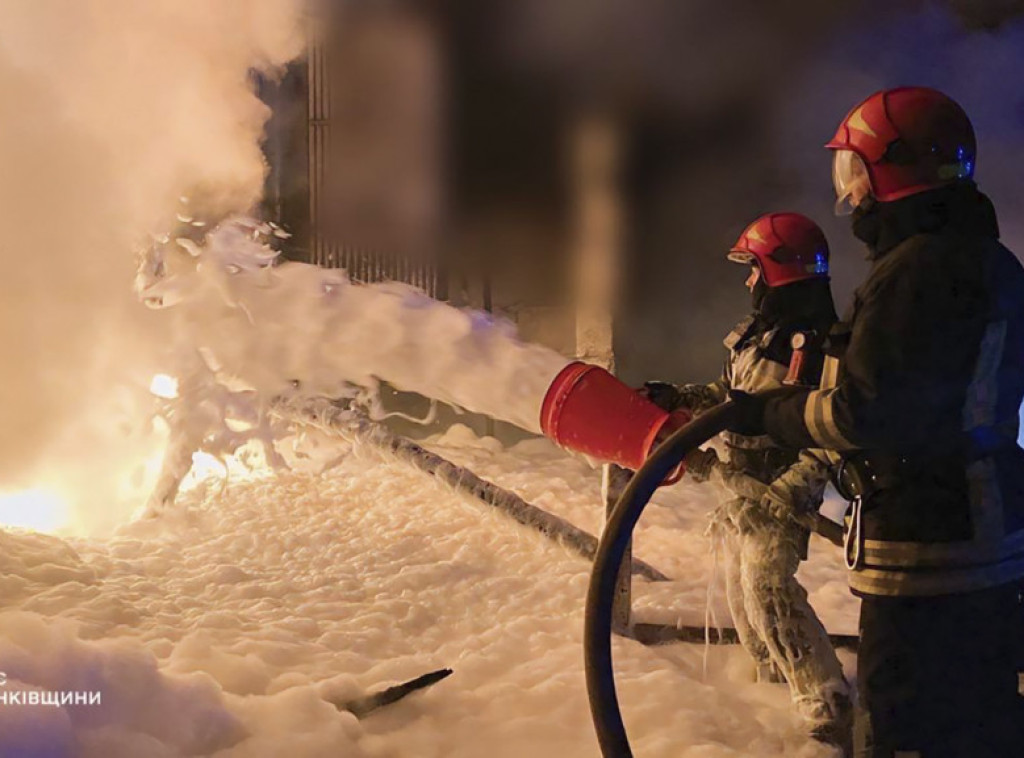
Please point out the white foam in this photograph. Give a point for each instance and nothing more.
(243, 607)
(273, 327)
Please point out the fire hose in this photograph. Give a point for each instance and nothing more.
(597, 631)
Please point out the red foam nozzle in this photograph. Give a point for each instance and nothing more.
(588, 410)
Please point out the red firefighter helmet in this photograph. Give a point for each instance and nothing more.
(902, 141)
(787, 247)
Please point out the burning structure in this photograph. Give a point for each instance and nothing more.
(571, 169)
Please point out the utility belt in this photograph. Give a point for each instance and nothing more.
(858, 479)
(863, 475)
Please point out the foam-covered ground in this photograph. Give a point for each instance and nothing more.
(217, 630)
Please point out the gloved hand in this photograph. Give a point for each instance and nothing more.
(662, 394)
(778, 505)
(700, 464)
(698, 398)
(792, 499)
(750, 417)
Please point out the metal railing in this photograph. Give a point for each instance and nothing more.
(362, 265)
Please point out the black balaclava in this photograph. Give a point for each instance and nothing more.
(806, 302)
(959, 206)
(866, 222)
(758, 293)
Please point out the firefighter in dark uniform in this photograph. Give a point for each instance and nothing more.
(766, 489)
(919, 405)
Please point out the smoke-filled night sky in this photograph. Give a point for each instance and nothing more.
(774, 161)
(727, 106)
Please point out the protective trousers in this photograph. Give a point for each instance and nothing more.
(938, 676)
(773, 618)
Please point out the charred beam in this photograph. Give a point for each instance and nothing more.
(342, 421)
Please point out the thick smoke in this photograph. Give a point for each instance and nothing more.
(970, 51)
(728, 105)
(112, 109)
(927, 46)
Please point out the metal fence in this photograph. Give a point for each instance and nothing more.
(325, 249)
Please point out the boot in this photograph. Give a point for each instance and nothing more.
(831, 723)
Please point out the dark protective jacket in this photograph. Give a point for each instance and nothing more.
(920, 397)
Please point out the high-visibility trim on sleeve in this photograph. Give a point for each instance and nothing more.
(821, 423)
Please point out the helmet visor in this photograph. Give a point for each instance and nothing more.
(850, 179)
(742, 256)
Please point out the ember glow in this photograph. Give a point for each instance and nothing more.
(41, 510)
(164, 386)
(122, 107)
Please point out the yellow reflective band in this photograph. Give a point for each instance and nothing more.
(940, 581)
(828, 420)
(830, 372)
(820, 421)
(883, 554)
